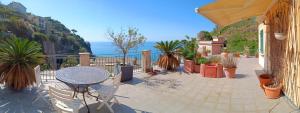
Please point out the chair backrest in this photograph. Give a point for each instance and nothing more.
(60, 96)
(37, 74)
(117, 69)
(117, 80)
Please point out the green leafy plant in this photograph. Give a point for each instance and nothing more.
(69, 61)
(189, 48)
(17, 59)
(169, 51)
(202, 60)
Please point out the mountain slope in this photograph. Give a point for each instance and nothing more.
(51, 34)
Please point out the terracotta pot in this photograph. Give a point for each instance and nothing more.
(196, 68)
(264, 79)
(229, 72)
(188, 66)
(272, 93)
(202, 69)
(220, 71)
(210, 71)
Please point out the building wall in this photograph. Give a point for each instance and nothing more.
(285, 54)
(263, 32)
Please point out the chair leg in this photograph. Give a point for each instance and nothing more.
(36, 99)
(116, 100)
(109, 107)
(100, 106)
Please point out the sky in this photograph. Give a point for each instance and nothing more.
(156, 19)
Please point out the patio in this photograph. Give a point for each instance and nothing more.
(173, 92)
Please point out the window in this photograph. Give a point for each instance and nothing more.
(261, 38)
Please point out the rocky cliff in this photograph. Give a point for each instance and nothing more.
(51, 34)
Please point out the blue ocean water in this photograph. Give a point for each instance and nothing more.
(108, 49)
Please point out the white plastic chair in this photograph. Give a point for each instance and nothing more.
(39, 85)
(106, 90)
(63, 100)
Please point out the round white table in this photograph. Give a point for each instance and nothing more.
(81, 77)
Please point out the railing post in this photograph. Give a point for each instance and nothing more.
(84, 59)
(146, 60)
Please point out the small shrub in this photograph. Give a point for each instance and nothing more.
(214, 59)
(202, 60)
(229, 62)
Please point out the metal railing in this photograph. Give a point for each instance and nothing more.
(109, 61)
(55, 62)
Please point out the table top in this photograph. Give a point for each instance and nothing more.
(82, 75)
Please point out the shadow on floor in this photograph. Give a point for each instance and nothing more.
(21, 102)
(134, 81)
(239, 76)
(118, 108)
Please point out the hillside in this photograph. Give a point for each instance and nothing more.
(51, 34)
(240, 35)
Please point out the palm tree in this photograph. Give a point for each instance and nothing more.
(169, 51)
(17, 59)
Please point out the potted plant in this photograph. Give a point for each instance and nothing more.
(189, 51)
(280, 36)
(18, 57)
(198, 63)
(126, 41)
(202, 62)
(214, 59)
(246, 51)
(264, 78)
(273, 88)
(169, 50)
(229, 65)
(224, 52)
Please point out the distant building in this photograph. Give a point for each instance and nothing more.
(16, 6)
(213, 47)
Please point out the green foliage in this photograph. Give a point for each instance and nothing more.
(69, 62)
(202, 60)
(24, 25)
(237, 44)
(18, 57)
(189, 48)
(205, 36)
(169, 49)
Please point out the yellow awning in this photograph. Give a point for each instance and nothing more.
(226, 12)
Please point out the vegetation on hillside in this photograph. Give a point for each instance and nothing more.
(44, 30)
(238, 36)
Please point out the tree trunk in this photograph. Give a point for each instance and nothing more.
(124, 59)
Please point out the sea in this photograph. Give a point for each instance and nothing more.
(108, 49)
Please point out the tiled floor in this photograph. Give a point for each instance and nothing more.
(175, 93)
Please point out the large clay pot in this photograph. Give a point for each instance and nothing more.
(202, 69)
(196, 68)
(229, 72)
(264, 79)
(127, 73)
(188, 66)
(220, 71)
(272, 93)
